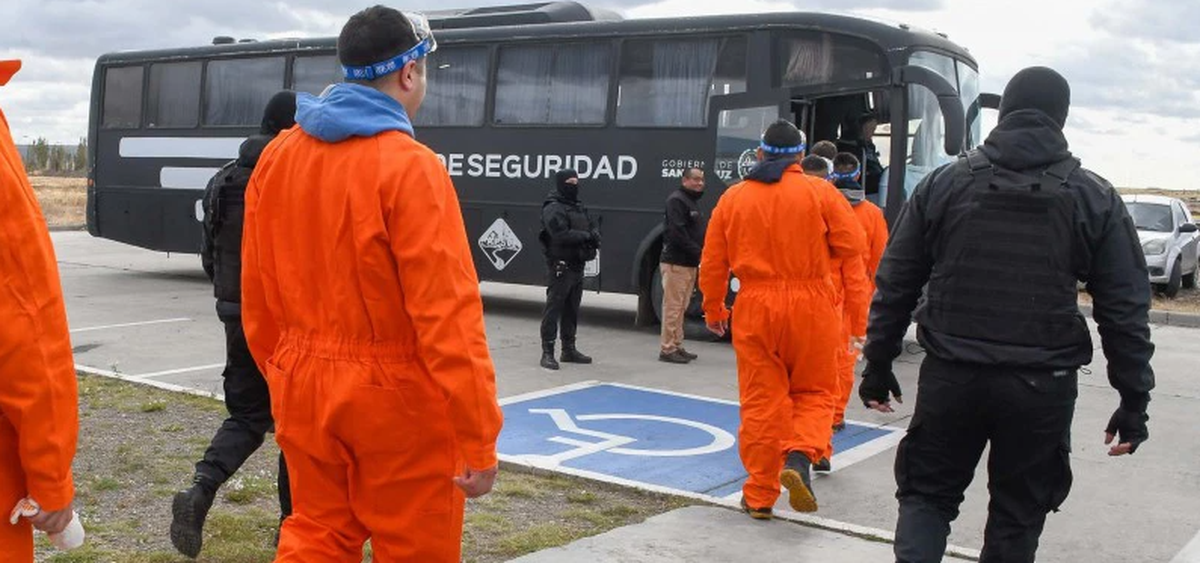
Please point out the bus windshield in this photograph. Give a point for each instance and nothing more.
(926, 125)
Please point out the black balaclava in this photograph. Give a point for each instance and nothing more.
(1038, 88)
(569, 192)
(280, 113)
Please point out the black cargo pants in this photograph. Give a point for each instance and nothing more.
(564, 293)
(249, 404)
(1025, 415)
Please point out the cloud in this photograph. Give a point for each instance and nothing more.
(1170, 21)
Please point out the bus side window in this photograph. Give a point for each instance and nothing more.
(123, 97)
(667, 83)
(457, 87)
(174, 95)
(553, 84)
(237, 90)
(314, 74)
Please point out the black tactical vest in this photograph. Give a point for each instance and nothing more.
(1005, 272)
(224, 208)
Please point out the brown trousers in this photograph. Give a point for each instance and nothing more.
(678, 284)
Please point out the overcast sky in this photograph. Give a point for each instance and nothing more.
(1134, 66)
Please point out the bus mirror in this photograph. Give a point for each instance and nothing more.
(989, 101)
(948, 100)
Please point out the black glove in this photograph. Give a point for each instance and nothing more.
(877, 382)
(1129, 427)
(595, 238)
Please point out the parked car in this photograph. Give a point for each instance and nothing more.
(1169, 240)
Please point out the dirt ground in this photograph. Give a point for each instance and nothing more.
(137, 447)
(63, 200)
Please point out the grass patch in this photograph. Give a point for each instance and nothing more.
(246, 489)
(120, 446)
(104, 484)
(153, 406)
(581, 497)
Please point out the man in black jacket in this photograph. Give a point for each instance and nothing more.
(569, 240)
(1001, 238)
(683, 239)
(246, 396)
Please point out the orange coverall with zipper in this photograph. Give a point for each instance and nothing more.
(853, 302)
(778, 240)
(855, 314)
(361, 304)
(39, 420)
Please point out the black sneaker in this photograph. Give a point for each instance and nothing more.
(573, 356)
(673, 357)
(839, 427)
(757, 513)
(686, 354)
(798, 481)
(548, 361)
(823, 466)
(189, 509)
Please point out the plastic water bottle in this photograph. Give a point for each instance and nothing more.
(70, 538)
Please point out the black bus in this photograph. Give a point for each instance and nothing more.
(518, 92)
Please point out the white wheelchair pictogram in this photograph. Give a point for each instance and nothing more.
(618, 444)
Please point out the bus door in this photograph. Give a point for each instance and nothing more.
(736, 124)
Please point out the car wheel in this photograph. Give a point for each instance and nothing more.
(1189, 280)
(1172, 288)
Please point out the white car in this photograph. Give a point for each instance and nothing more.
(1169, 240)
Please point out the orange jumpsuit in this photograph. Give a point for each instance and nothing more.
(855, 312)
(778, 240)
(361, 304)
(39, 419)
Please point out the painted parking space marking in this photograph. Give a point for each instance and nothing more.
(650, 438)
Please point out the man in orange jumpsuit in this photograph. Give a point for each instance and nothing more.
(845, 177)
(361, 305)
(39, 419)
(778, 232)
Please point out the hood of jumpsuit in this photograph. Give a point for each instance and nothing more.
(350, 110)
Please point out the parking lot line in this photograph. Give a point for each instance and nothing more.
(152, 375)
(124, 325)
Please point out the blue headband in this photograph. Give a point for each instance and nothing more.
(845, 175)
(422, 48)
(771, 149)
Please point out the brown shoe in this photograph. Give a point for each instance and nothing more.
(686, 354)
(673, 357)
(757, 513)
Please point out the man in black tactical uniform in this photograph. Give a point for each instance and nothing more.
(1001, 238)
(569, 240)
(246, 395)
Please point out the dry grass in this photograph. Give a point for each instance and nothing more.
(132, 459)
(1186, 301)
(63, 200)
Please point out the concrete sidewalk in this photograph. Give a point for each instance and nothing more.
(701, 534)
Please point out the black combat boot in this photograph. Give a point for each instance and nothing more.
(572, 356)
(798, 480)
(188, 511)
(548, 360)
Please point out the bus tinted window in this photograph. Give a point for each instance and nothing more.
(123, 97)
(174, 95)
(666, 83)
(314, 74)
(810, 57)
(457, 87)
(237, 90)
(553, 84)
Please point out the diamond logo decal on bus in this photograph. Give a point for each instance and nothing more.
(500, 244)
